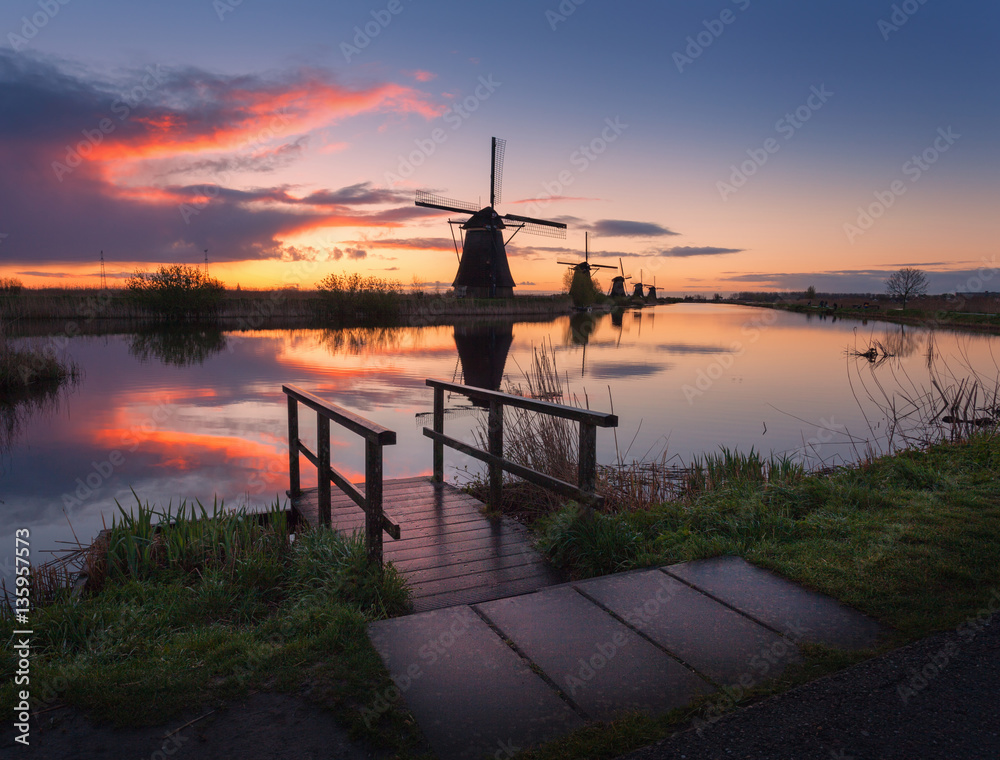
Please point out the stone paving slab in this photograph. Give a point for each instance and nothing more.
(588, 650)
(603, 666)
(710, 637)
(471, 694)
(778, 603)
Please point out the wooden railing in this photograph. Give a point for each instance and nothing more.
(375, 437)
(584, 490)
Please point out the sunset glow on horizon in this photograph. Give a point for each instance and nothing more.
(716, 148)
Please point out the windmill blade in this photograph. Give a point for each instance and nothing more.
(538, 226)
(603, 266)
(532, 220)
(496, 170)
(430, 200)
(537, 229)
(570, 264)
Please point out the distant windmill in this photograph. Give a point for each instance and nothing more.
(582, 288)
(651, 295)
(618, 282)
(483, 271)
(639, 290)
(104, 276)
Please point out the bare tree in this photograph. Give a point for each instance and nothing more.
(906, 283)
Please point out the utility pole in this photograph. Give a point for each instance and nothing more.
(206, 262)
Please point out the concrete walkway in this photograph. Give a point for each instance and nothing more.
(490, 679)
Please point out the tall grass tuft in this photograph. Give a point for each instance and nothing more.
(27, 369)
(353, 299)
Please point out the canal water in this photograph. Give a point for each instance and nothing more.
(184, 416)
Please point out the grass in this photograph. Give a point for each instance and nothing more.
(189, 607)
(23, 370)
(906, 535)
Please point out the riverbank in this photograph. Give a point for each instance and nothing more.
(908, 539)
(87, 310)
(978, 312)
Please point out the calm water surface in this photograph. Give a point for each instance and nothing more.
(179, 418)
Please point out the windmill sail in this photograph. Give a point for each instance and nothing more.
(483, 271)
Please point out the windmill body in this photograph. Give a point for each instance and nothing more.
(582, 288)
(483, 271)
(618, 282)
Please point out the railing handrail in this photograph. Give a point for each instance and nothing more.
(356, 424)
(585, 490)
(575, 413)
(375, 437)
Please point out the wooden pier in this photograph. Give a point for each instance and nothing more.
(447, 548)
(449, 552)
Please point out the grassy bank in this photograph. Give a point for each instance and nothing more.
(978, 312)
(86, 309)
(189, 608)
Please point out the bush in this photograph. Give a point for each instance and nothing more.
(177, 291)
(353, 298)
(10, 285)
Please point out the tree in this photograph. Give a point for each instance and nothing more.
(906, 283)
(810, 292)
(176, 291)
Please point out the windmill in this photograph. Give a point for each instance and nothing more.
(582, 290)
(651, 295)
(483, 271)
(639, 290)
(618, 282)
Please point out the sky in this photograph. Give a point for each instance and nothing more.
(714, 146)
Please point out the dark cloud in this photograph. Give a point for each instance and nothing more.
(261, 162)
(685, 251)
(625, 228)
(75, 146)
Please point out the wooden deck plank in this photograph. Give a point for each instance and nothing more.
(449, 551)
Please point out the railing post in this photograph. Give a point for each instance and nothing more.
(495, 442)
(587, 469)
(323, 471)
(294, 485)
(373, 498)
(438, 428)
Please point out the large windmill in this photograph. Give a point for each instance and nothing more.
(483, 271)
(582, 288)
(618, 282)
